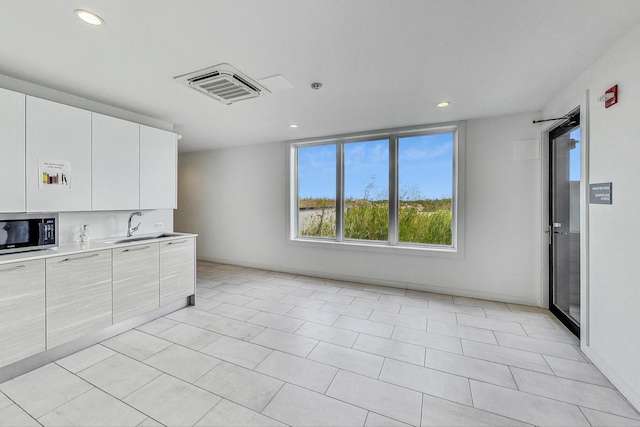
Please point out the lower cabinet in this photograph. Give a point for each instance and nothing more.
(177, 269)
(136, 281)
(79, 296)
(22, 321)
(48, 302)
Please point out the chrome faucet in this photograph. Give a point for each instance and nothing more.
(130, 230)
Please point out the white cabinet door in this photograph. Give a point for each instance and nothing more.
(177, 270)
(58, 133)
(79, 296)
(22, 326)
(136, 285)
(158, 168)
(12, 186)
(115, 164)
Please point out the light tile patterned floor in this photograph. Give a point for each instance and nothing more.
(264, 348)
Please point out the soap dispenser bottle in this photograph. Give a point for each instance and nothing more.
(84, 233)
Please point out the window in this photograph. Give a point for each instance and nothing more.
(366, 190)
(425, 189)
(391, 189)
(316, 191)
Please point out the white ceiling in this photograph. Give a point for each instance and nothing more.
(383, 63)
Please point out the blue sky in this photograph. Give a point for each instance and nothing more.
(574, 157)
(425, 168)
(366, 170)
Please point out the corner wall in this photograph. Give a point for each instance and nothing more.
(610, 337)
(236, 200)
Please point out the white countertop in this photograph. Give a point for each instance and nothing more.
(93, 245)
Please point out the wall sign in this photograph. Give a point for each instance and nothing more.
(54, 175)
(601, 194)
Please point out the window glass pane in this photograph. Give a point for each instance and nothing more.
(574, 155)
(425, 189)
(317, 191)
(366, 190)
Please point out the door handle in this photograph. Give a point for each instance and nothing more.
(136, 249)
(176, 243)
(79, 258)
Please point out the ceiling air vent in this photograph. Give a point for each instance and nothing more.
(224, 83)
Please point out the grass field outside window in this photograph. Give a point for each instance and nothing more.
(398, 189)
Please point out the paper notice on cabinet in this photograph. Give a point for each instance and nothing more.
(54, 175)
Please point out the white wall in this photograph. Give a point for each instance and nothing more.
(612, 340)
(235, 199)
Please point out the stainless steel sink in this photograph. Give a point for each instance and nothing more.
(143, 238)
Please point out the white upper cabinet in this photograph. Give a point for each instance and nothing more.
(63, 159)
(158, 168)
(115, 164)
(58, 164)
(12, 185)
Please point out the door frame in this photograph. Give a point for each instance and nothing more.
(563, 131)
(583, 104)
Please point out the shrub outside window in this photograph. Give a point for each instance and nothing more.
(317, 181)
(398, 188)
(425, 189)
(366, 190)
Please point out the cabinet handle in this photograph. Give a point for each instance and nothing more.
(176, 243)
(136, 249)
(78, 258)
(17, 267)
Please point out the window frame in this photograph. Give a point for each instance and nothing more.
(392, 245)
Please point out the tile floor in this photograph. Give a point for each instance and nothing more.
(265, 348)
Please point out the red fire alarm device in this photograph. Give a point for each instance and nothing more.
(611, 96)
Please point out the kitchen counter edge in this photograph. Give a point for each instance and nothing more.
(74, 248)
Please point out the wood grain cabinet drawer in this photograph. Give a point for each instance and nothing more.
(136, 280)
(22, 321)
(79, 296)
(177, 270)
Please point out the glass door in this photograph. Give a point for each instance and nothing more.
(564, 222)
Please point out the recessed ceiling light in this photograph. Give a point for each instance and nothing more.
(293, 125)
(89, 17)
(443, 104)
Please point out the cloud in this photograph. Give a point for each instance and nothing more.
(426, 153)
(316, 159)
(366, 155)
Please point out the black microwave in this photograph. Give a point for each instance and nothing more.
(28, 232)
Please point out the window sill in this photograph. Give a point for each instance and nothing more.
(383, 248)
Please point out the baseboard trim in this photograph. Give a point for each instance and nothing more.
(632, 396)
(389, 283)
